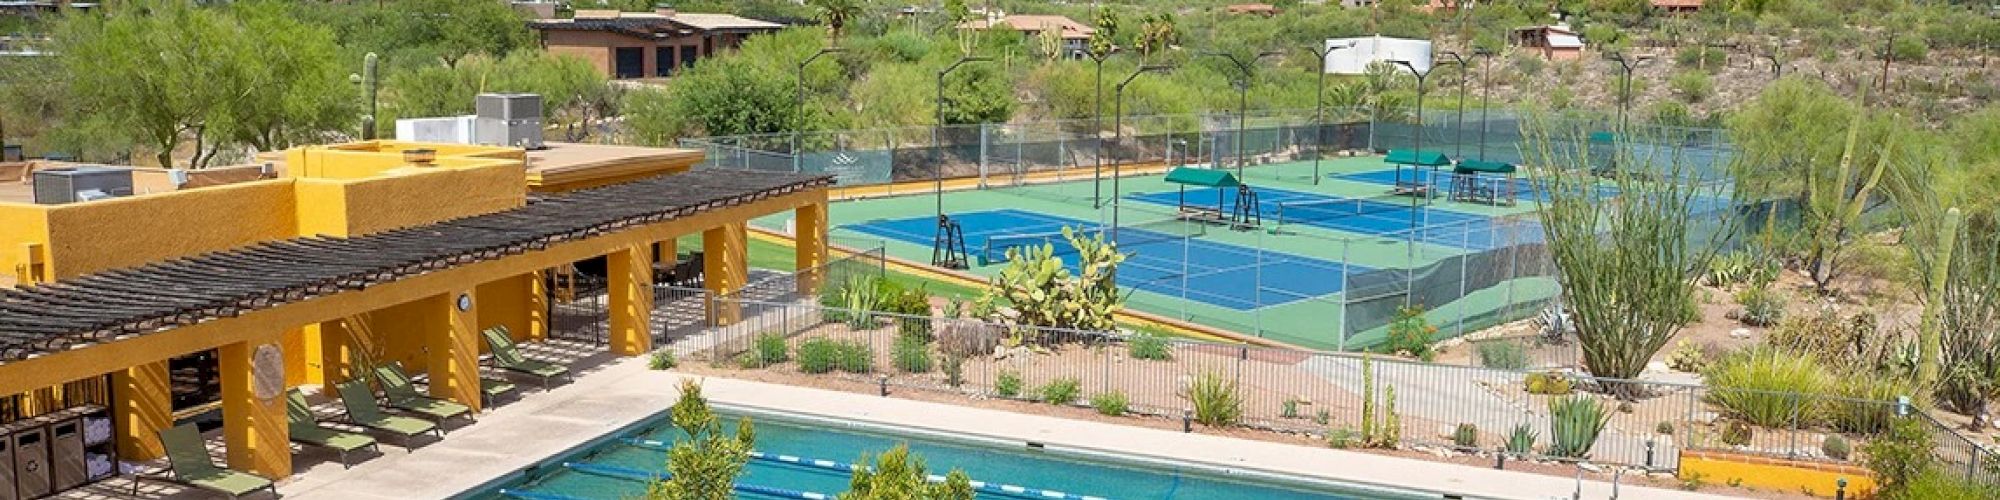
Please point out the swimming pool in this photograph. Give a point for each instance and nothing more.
(616, 468)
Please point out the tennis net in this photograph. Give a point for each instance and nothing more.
(1309, 211)
(1127, 237)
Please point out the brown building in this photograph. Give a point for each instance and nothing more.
(1260, 9)
(646, 44)
(1075, 35)
(1678, 6)
(1555, 43)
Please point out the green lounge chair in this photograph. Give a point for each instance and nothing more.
(305, 430)
(188, 463)
(402, 394)
(492, 389)
(507, 357)
(361, 409)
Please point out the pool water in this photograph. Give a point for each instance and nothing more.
(1019, 467)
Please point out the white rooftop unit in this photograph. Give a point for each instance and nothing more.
(446, 129)
(1361, 51)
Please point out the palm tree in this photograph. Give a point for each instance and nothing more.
(836, 14)
(1156, 33)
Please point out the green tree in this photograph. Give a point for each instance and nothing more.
(836, 14)
(705, 465)
(1104, 40)
(1158, 32)
(573, 92)
(898, 475)
(292, 90)
(1625, 264)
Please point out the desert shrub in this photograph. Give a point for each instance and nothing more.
(1899, 455)
(1521, 441)
(1061, 391)
(911, 354)
(1551, 384)
(954, 369)
(1149, 345)
(911, 307)
(1861, 407)
(1835, 447)
(1687, 357)
(968, 338)
(1700, 56)
(1574, 423)
(822, 355)
(1505, 355)
(1693, 86)
(1737, 433)
(1342, 438)
(771, 349)
(1465, 436)
(1729, 269)
(859, 296)
(1938, 484)
(662, 360)
(854, 357)
(1410, 334)
(1110, 403)
(1322, 416)
(1664, 427)
(1761, 306)
(1216, 402)
(1761, 385)
(1289, 408)
(1007, 384)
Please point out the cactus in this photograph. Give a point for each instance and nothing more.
(1367, 398)
(369, 86)
(1927, 329)
(1042, 292)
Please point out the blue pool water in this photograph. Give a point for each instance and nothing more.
(1196, 269)
(1014, 466)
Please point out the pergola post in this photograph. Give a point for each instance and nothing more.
(141, 405)
(254, 430)
(452, 349)
(725, 267)
(631, 290)
(809, 237)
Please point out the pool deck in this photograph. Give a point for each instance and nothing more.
(518, 433)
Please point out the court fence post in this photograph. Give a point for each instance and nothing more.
(1346, 293)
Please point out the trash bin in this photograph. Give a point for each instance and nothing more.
(66, 469)
(31, 461)
(7, 464)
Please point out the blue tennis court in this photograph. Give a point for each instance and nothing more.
(1389, 217)
(1524, 189)
(1162, 261)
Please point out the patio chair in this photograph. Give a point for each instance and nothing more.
(362, 411)
(305, 430)
(402, 394)
(188, 464)
(507, 356)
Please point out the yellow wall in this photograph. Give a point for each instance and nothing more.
(1775, 474)
(384, 203)
(21, 227)
(126, 232)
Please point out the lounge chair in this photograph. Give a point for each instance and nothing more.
(188, 463)
(508, 357)
(305, 430)
(492, 389)
(402, 394)
(362, 411)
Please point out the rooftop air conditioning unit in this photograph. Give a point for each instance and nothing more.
(448, 129)
(70, 185)
(508, 120)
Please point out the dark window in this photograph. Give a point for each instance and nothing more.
(689, 54)
(663, 61)
(630, 62)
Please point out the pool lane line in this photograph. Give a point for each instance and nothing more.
(631, 474)
(533, 495)
(843, 467)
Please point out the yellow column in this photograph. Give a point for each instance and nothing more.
(809, 235)
(668, 251)
(631, 290)
(141, 405)
(253, 406)
(452, 349)
(335, 352)
(538, 306)
(725, 266)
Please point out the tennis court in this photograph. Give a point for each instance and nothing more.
(1391, 217)
(1168, 257)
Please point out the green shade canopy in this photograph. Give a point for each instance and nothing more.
(1202, 177)
(1602, 137)
(1419, 158)
(1484, 167)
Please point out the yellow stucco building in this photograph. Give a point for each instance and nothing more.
(358, 253)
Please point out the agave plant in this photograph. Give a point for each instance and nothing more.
(1574, 423)
(1521, 441)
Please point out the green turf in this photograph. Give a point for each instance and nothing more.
(1313, 322)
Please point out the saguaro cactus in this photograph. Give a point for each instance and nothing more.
(369, 86)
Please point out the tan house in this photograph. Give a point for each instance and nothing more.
(1075, 35)
(1678, 6)
(1555, 43)
(646, 44)
(1258, 9)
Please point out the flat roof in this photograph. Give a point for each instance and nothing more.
(568, 162)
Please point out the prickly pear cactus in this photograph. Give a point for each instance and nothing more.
(1038, 290)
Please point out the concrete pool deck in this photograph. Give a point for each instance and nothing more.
(517, 434)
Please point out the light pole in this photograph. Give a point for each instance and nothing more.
(799, 99)
(1117, 131)
(1458, 128)
(1417, 187)
(937, 148)
(1097, 134)
(1485, 96)
(1625, 84)
(1319, 107)
(1242, 97)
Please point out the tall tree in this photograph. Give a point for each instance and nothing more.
(1157, 33)
(1624, 261)
(837, 14)
(292, 89)
(1104, 39)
